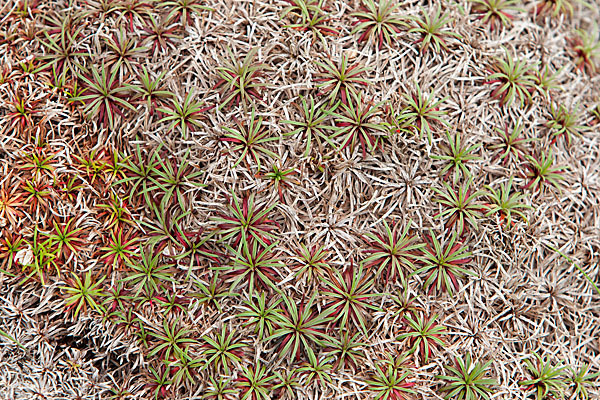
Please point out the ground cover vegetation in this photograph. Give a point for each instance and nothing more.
(299, 199)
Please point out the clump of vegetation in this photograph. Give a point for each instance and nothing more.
(232, 239)
(498, 13)
(341, 81)
(186, 115)
(555, 8)
(456, 155)
(313, 124)
(393, 252)
(106, 95)
(506, 204)
(586, 49)
(250, 139)
(378, 22)
(580, 380)
(423, 335)
(239, 81)
(354, 124)
(512, 146)
(546, 378)
(422, 111)
(514, 80)
(459, 206)
(542, 172)
(310, 16)
(390, 383)
(443, 263)
(432, 32)
(563, 123)
(467, 380)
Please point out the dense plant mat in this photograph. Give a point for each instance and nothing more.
(300, 199)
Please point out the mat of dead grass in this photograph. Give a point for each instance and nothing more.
(525, 297)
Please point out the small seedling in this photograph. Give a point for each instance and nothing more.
(556, 7)
(254, 382)
(172, 303)
(150, 273)
(38, 195)
(67, 239)
(121, 248)
(280, 178)
(10, 245)
(312, 125)
(185, 367)
(309, 15)
(254, 264)
(542, 172)
(444, 263)
(422, 112)
(186, 115)
(261, 316)
(341, 81)
(173, 179)
(42, 260)
(347, 350)
(195, 247)
(123, 52)
(393, 252)
(132, 10)
(116, 299)
(286, 384)
(39, 164)
(219, 389)
(160, 34)
(468, 381)
(580, 380)
(159, 382)
(546, 379)
(183, 10)
(595, 113)
(21, 113)
(390, 383)
(246, 221)
(511, 145)
(349, 294)
(211, 293)
(83, 293)
(239, 81)
(378, 22)
(455, 156)
(250, 139)
(174, 338)
(150, 90)
(405, 303)
(11, 203)
(507, 204)
(432, 32)
(115, 212)
(222, 350)
(299, 327)
(514, 79)
(316, 369)
(355, 125)
(495, 12)
(564, 123)
(311, 263)
(545, 80)
(460, 206)
(423, 334)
